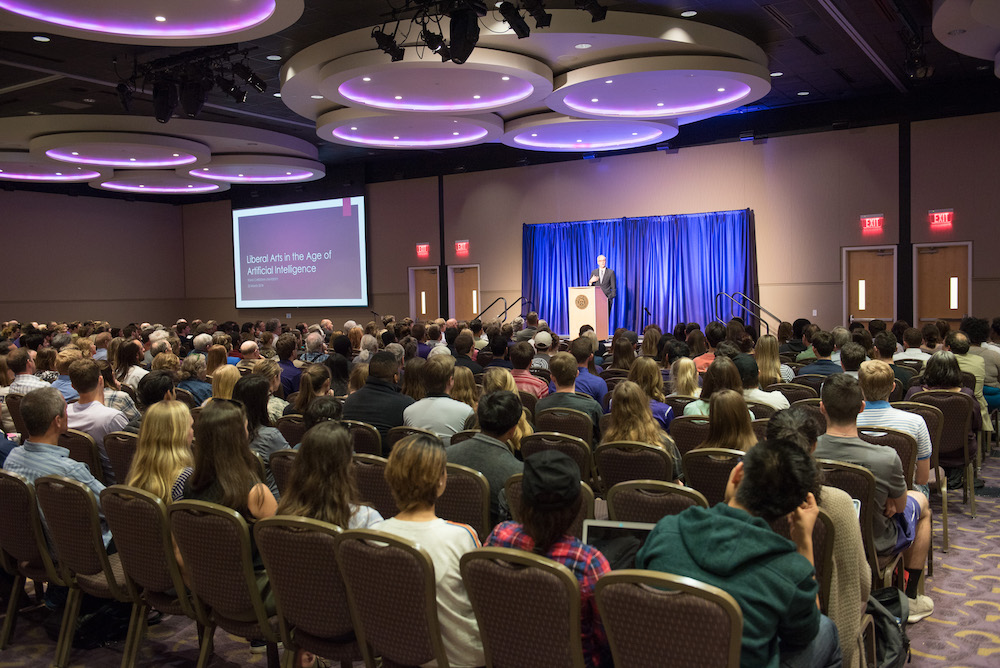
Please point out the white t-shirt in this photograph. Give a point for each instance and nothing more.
(445, 542)
(133, 376)
(441, 414)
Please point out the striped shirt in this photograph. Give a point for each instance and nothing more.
(881, 414)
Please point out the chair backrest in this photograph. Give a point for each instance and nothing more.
(138, 521)
(527, 606)
(859, 483)
(186, 397)
(195, 414)
(822, 544)
(576, 448)
(120, 446)
(83, 449)
(309, 591)
(649, 616)
(393, 597)
(916, 380)
(619, 461)
(917, 366)
(812, 405)
(957, 411)
(528, 400)
(22, 538)
(614, 373)
(904, 444)
(793, 391)
(759, 427)
(73, 522)
(968, 380)
(566, 421)
(396, 434)
(281, 463)
(811, 380)
(292, 427)
(130, 391)
(605, 424)
(512, 488)
(466, 499)
(708, 469)
(761, 411)
(650, 500)
(204, 531)
(463, 435)
(369, 473)
(544, 374)
(689, 431)
(898, 391)
(613, 382)
(677, 404)
(13, 402)
(933, 418)
(292, 397)
(365, 438)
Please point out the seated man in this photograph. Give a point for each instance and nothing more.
(750, 377)
(822, 346)
(797, 343)
(582, 350)
(884, 347)
(438, 412)
(852, 355)
(290, 373)
(564, 370)
(488, 451)
(542, 343)
(905, 526)
(732, 546)
(912, 338)
(89, 414)
(63, 383)
(315, 348)
(379, 402)
(463, 352)
(250, 355)
(521, 356)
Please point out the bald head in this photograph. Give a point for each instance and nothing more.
(249, 350)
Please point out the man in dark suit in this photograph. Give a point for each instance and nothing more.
(605, 278)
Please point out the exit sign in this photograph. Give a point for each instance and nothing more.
(423, 251)
(462, 248)
(941, 219)
(872, 223)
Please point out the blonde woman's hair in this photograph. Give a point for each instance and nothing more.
(464, 388)
(162, 450)
(631, 418)
(768, 361)
(224, 380)
(729, 422)
(684, 377)
(495, 379)
(166, 362)
(414, 471)
(268, 368)
(645, 373)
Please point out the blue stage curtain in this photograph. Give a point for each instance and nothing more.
(671, 265)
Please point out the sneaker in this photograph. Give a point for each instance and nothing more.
(920, 607)
(260, 646)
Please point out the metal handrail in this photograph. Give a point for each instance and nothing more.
(504, 313)
(732, 298)
(527, 302)
(740, 294)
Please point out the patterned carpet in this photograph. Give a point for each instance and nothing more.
(962, 632)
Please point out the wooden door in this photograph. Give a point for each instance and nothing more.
(424, 293)
(465, 292)
(942, 282)
(871, 284)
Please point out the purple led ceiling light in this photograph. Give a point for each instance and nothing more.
(538, 140)
(41, 174)
(399, 141)
(140, 20)
(162, 190)
(482, 95)
(175, 159)
(257, 168)
(232, 176)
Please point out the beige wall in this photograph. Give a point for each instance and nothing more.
(955, 167)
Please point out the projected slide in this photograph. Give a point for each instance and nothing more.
(306, 254)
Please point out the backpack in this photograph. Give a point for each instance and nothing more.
(889, 609)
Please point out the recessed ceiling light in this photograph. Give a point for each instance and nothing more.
(777, 74)
(177, 155)
(584, 45)
(455, 133)
(131, 159)
(689, 13)
(659, 104)
(366, 78)
(75, 153)
(396, 137)
(504, 78)
(608, 80)
(956, 32)
(475, 97)
(578, 141)
(58, 173)
(803, 93)
(161, 19)
(204, 169)
(634, 134)
(721, 90)
(534, 134)
(190, 186)
(354, 127)
(240, 175)
(316, 97)
(142, 185)
(399, 97)
(41, 38)
(276, 94)
(273, 56)
(288, 173)
(593, 99)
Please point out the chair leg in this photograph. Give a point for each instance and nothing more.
(943, 486)
(930, 557)
(136, 632)
(970, 486)
(68, 627)
(272, 655)
(39, 591)
(206, 639)
(12, 607)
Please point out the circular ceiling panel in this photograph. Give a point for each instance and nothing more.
(555, 132)
(251, 168)
(23, 166)
(157, 182)
(152, 22)
(489, 80)
(360, 127)
(660, 87)
(124, 150)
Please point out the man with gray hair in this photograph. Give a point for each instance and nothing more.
(315, 348)
(157, 344)
(201, 343)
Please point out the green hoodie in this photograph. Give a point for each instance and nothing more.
(730, 549)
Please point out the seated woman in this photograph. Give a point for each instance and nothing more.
(269, 370)
(497, 379)
(340, 373)
(314, 382)
(417, 476)
(684, 378)
(359, 376)
(215, 359)
(720, 375)
(412, 383)
(729, 422)
(622, 354)
(252, 391)
(464, 388)
(631, 420)
(769, 362)
(645, 373)
(550, 501)
(163, 458)
(224, 380)
(166, 362)
(192, 378)
(128, 365)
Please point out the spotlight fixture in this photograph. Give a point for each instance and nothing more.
(595, 9)
(916, 66)
(164, 98)
(537, 10)
(464, 31)
(435, 42)
(514, 19)
(194, 89)
(124, 95)
(243, 72)
(388, 44)
(230, 88)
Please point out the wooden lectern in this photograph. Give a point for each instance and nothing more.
(588, 306)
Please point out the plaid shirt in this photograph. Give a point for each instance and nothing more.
(526, 382)
(587, 564)
(120, 401)
(24, 383)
